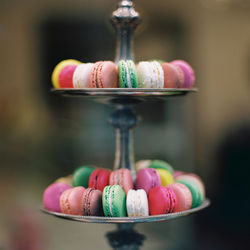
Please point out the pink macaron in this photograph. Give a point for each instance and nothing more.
(122, 177)
(183, 196)
(66, 76)
(178, 173)
(147, 178)
(51, 196)
(189, 76)
(173, 76)
(71, 201)
(104, 74)
(92, 202)
(161, 200)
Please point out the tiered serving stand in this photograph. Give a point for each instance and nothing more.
(125, 19)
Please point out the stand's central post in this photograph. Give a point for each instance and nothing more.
(124, 120)
(125, 20)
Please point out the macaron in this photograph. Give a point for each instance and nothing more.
(99, 178)
(66, 76)
(114, 201)
(195, 178)
(189, 76)
(122, 177)
(82, 74)
(157, 164)
(183, 196)
(67, 180)
(81, 176)
(127, 74)
(178, 173)
(195, 190)
(51, 196)
(104, 74)
(57, 70)
(147, 178)
(173, 76)
(137, 203)
(166, 177)
(71, 201)
(92, 202)
(150, 75)
(161, 200)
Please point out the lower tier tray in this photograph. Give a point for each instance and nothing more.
(128, 220)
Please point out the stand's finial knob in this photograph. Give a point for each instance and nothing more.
(125, 20)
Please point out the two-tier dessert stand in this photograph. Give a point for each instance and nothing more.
(125, 19)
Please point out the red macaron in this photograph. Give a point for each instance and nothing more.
(161, 200)
(66, 76)
(99, 179)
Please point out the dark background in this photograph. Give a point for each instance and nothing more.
(44, 136)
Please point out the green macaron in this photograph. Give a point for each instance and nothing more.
(81, 176)
(158, 164)
(114, 201)
(195, 191)
(127, 74)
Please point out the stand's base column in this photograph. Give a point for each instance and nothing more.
(125, 238)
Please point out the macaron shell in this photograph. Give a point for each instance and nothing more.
(147, 178)
(183, 196)
(92, 202)
(193, 178)
(166, 197)
(66, 180)
(137, 203)
(58, 68)
(195, 191)
(99, 178)
(81, 75)
(81, 176)
(142, 164)
(108, 75)
(114, 201)
(132, 73)
(66, 76)
(123, 178)
(173, 78)
(51, 196)
(178, 173)
(159, 164)
(166, 177)
(189, 76)
(71, 201)
(122, 73)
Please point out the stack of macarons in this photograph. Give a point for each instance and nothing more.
(106, 74)
(93, 191)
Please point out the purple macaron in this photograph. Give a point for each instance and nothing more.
(51, 196)
(189, 76)
(147, 178)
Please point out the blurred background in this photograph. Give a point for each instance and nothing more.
(44, 136)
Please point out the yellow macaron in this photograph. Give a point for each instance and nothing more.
(166, 177)
(58, 69)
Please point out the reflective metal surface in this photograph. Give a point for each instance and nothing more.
(128, 220)
(117, 96)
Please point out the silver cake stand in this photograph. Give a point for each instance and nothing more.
(123, 119)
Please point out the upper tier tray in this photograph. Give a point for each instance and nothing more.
(128, 220)
(129, 96)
